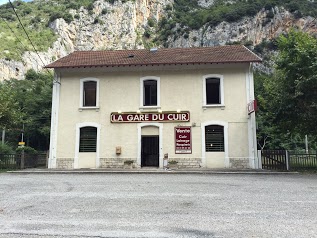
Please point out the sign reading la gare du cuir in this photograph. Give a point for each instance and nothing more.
(116, 117)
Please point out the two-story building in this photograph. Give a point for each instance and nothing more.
(190, 105)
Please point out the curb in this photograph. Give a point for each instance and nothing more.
(158, 171)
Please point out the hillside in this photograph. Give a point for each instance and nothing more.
(58, 27)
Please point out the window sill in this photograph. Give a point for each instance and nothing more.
(88, 108)
(150, 107)
(214, 105)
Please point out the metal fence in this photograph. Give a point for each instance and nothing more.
(13, 161)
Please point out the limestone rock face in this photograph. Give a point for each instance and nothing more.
(121, 26)
(252, 30)
(108, 26)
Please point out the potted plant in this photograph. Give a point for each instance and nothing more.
(128, 164)
(172, 164)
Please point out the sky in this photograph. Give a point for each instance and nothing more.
(6, 1)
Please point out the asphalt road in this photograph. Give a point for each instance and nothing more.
(157, 205)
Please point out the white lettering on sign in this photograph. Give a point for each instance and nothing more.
(143, 117)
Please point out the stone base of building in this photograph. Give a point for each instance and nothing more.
(186, 163)
(239, 163)
(65, 163)
(131, 163)
(118, 163)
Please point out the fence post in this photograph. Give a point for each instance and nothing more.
(260, 159)
(287, 160)
(22, 159)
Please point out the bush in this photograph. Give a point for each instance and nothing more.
(27, 149)
(5, 149)
(151, 22)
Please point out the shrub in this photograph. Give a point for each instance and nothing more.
(151, 22)
(27, 149)
(5, 149)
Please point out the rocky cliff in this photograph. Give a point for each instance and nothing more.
(121, 26)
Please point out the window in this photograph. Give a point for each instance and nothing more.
(213, 90)
(89, 93)
(88, 139)
(89, 97)
(150, 92)
(214, 138)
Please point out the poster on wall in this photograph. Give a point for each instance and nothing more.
(183, 140)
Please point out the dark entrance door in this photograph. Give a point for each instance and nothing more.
(150, 151)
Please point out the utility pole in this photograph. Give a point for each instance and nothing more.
(306, 144)
(3, 136)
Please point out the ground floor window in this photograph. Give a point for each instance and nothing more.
(88, 139)
(214, 138)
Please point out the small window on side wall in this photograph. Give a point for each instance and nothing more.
(214, 138)
(90, 94)
(88, 139)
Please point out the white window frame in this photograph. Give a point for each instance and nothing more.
(158, 84)
(222, 96)
(81, 94)
(226, 140)
(87, 124)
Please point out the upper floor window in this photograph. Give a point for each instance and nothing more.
(150, 92)
(213, 90)
(88, 139)
(214, 138)
(89, 89)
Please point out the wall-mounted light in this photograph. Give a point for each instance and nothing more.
(138, 111)
(159, 111)
(119, 111)
(178, 110)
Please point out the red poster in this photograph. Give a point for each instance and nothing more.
(183, 140)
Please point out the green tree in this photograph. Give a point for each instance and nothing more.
(288, 97)
(29, 102)
(295, 88)
(10, 113)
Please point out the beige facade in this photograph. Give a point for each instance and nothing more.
(180, 88)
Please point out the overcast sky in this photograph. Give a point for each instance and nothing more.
(5, 1)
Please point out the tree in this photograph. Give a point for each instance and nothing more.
(295, 87)
(27, 103)
(9, 108)
(288, 97)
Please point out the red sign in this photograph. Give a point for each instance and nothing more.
(183, 140)
(252, 106)
(116, 117)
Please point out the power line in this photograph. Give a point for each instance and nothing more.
(12, 6)
(14, 33)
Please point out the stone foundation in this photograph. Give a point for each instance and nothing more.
(117, 163)
(239, 163)
(64, 163)
(186, 163)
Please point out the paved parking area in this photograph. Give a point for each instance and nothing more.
(157, 205)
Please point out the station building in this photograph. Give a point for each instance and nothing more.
(193, 106)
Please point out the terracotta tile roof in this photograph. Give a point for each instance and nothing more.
(199, 55)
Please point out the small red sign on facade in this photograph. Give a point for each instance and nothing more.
(252, 106)
(183, 140)
(149, 117)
